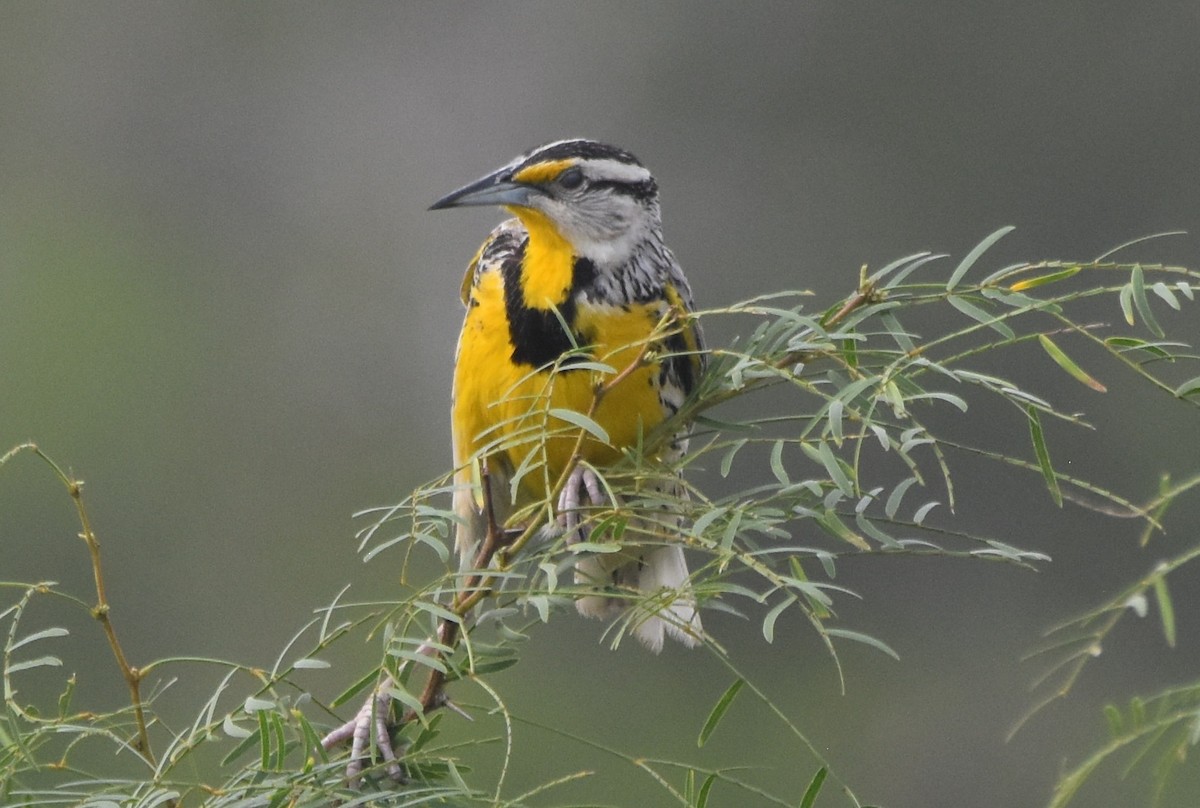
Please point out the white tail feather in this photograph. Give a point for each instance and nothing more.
(660, 576)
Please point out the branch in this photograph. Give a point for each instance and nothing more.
(101, 611)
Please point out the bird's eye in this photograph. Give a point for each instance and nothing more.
(571, 179)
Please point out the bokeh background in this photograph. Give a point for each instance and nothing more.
(224, 305)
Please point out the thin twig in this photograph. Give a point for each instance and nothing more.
(101, 611)
(866, 294)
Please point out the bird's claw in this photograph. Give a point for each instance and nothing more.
(581, 482)
(371, 719)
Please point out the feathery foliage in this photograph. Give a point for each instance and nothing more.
(817, 438)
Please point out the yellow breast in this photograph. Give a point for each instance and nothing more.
(502, 408)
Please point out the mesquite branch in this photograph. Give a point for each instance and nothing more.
(499, 543)
(102, 610)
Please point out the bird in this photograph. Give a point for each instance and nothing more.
(579, 279)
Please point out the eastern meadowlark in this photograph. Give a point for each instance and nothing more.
(579, 280)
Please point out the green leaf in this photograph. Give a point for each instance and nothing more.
(814, 788)
(1113, 716)
(718, 712)
(364, 682)
(592, 365)
(850, 352)
(730, 453)
(426, 660)
(871, 529)
(836, 413)
(1066, 363)
(897, 495)
(881, 435)
(965, 265)
(1126, 299)
(257, 705)
(818, 609)
(797, 568)
(401, 694)
(832, 465)
(895, 399)
(310, 663)
(989, 283)
(839, 529)
(40, 662)
(893, 326)
(532, 461)
(426, 538)
(980, 315)
(917, 262)
(1188, 388)
(264, 740)
(312, 749)
(1043, 454)
(1164, 291)
(1166, 611)
(582, 421)
(1130, 343)
(280, 737)
(731, 529)
(542, 604)
(849, 393)
(38, 635)
(1137, 712)
(707, 518)
(768, 626)
(892, 267)
(1041, 280)
(1020, 302)
(705, 790)
(154, 799)
(239, 749)
(1137, 281)
(233, 730)
(865, 639)
(777, 464)
(456, 776)
(936, 395)
(923, 511)
(493, 665)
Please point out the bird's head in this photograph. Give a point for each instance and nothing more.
(597, 198)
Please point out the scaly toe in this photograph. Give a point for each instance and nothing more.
(582, 483)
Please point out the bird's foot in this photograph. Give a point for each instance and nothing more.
(583, 483)
(372, 720)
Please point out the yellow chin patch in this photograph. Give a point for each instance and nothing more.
(549, 265)
(542, 172)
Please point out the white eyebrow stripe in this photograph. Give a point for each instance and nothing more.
(614, 170)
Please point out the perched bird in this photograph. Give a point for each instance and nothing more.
(581, 276)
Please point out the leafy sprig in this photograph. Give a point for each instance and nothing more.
(815, 439)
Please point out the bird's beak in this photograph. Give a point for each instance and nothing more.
(497, 188)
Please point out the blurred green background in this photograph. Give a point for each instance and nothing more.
(224, 305)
